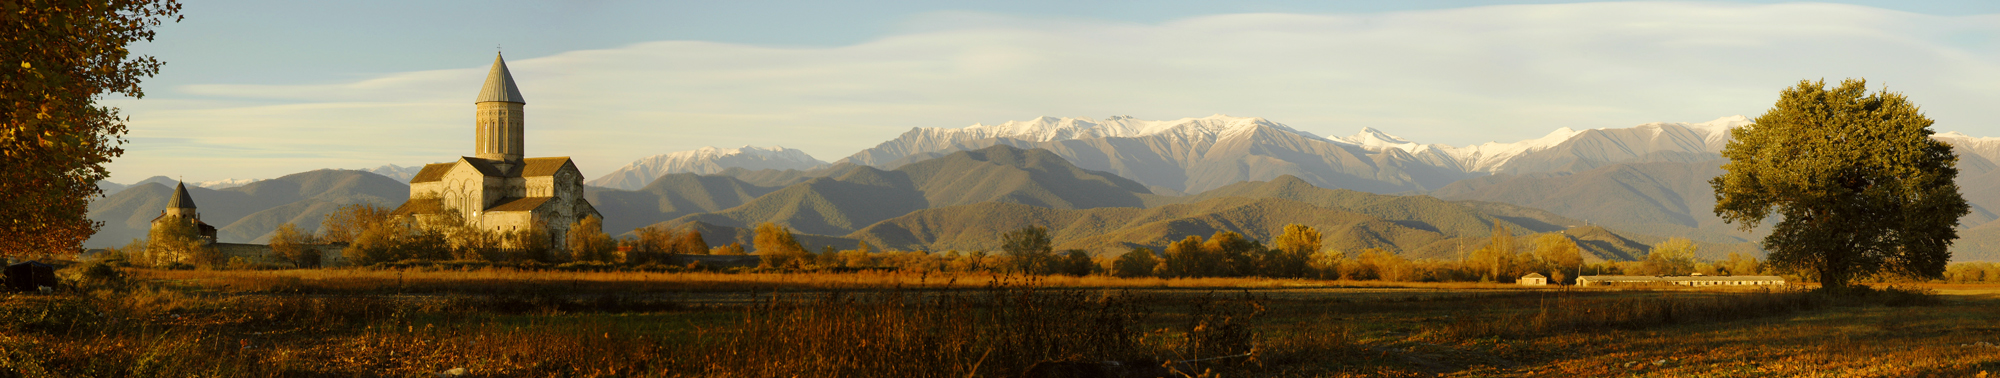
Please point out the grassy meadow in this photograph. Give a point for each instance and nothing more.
(510, 323)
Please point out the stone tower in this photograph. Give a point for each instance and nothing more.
(182, 205)
(181, 209)
(500, 119)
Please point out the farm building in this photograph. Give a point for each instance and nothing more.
(1533, 279)
(1696, 280)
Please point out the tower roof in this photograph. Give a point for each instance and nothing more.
(500, 85)
(181, 199)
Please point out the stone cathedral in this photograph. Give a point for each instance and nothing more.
(496, 188)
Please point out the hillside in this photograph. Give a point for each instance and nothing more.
(855, 196)
(1675, 199)
(671, 196)
(1105, 231)
(246, 213)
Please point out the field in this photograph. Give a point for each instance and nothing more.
(506, 323)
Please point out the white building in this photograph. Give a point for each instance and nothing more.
(1696, 280)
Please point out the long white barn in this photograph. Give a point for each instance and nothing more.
(1680, 280)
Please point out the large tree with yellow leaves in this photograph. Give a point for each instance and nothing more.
(57, 59)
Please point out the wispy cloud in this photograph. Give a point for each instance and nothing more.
(1458, 76)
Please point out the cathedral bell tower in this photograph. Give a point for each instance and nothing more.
(499, 118)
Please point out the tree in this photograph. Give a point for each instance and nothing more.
(1229, 255)
(1138, 262)
(1559, 255)
(690, 243)
(731, 249)
(1857, 183)
(1076, 262)
(587, 241)
(1674, 257)
(777, 247)
(57, 59)
(1181, 258)
(1738, 264)
(1294, 251)
(294, 246)
(1031, 249)
(346, 223)
(652, 244)
(1495, 261)
(179, 241)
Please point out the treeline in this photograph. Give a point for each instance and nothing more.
(1296, 253)
(373, 235)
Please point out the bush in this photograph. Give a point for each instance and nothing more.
(92, 274)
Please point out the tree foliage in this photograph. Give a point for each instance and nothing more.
(588, 242)
(57, 59)
(346, 223)
(777, 247)
(1138, 262)
(294, 246)
(1674, 257)
(1856, 182)
(1558, 255)
(1031, 249)
(179, 241)
(1293, 252)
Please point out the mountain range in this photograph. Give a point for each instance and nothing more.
(1650, 177)
(245, 213)
(706, 160)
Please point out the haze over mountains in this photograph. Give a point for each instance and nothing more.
(1650, 178)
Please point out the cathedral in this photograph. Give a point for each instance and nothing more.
(496, 188)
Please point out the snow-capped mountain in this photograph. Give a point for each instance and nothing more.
(1984, 147)
(706, 160)
(400, 173)
(226, 183)
(1563, 148)
(917, 141)
(1184, 155)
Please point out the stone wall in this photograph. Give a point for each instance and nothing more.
(329, 254)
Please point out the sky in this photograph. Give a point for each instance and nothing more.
(261, 89)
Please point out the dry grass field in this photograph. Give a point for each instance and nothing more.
(505, 323)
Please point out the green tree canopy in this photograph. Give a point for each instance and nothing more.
(57, 59)
(1031, 248)
(1857, 183)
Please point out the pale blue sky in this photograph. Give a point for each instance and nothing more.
(258, 89)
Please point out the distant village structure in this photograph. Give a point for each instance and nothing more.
(496, 188)
(1533, 279)
(1694, 280)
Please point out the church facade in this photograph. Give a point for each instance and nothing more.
(497, 189)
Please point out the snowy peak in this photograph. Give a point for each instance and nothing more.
(1720, 126)
(1048, 129)
(1051, 129)
(400, 173)
(1985, 147)
(226, 183)
(705, 160)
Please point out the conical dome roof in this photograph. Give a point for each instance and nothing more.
(181, 199)
(500, 85)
